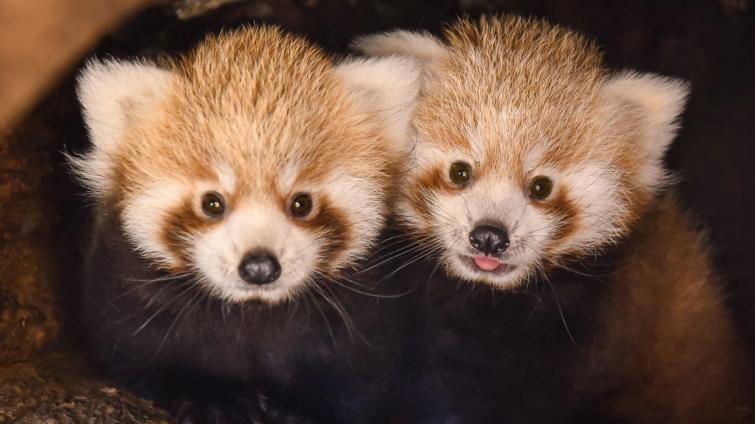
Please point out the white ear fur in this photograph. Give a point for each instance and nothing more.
(388, 89)
(421, 46)
(113, 94)
(660, 102)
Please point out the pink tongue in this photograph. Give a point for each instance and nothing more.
(486, 263)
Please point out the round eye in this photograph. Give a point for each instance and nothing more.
(301, 206)
(540, 188)
(460, 172)
(213, 204)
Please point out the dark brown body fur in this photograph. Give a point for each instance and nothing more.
(667, 344)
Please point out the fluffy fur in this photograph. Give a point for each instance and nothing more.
(519, 99)
(540, 103)
(256, 117)
(164, 137)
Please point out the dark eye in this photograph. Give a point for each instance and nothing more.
(460, 172)
(213, 204)
(540, 188)
(301, 206)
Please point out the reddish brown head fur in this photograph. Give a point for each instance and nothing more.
(517, 99)
(258, 117)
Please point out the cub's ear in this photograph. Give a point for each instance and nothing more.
(420, 46)
(386, 88)
(114, 94)
(655, 103)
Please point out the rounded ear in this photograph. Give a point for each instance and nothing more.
(420, 46)
(113, 94)
(656, 102)
(387, 89)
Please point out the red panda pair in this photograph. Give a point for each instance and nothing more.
(239, 187)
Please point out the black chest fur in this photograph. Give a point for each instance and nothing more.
(333, 353)
(514, 357)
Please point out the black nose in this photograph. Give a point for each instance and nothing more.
(489, 239)
(259, 269)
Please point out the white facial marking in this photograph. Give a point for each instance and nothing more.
(144, 218)
(486, 201)
(476, 142)
(365, 209)
(287, 177)
(255, 226)
(227, 178)
(593, 188)
(595, 191)
(260, 225)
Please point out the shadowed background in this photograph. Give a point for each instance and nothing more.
(43, 218)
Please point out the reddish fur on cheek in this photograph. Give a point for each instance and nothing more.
(432, 181)
(334, 225)
(564, 210)
(180, 223)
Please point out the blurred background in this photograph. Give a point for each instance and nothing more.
(42, 224)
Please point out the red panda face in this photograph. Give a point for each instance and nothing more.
(528, 153)
(502, 209)
(264, 241)
(254, 167)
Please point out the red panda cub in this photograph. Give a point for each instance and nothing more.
(234, 189)
(571, 289)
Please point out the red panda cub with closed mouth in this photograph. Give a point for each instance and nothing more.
(574, 290)
(235, 188)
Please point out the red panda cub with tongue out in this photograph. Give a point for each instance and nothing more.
(236, 189)
(570, 288)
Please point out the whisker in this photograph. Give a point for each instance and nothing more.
(159, 310)
(423, 254)
(365, 293)
(347, 321)
(165, 278)
(187, 305)
(560, 310)
(322, 314)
